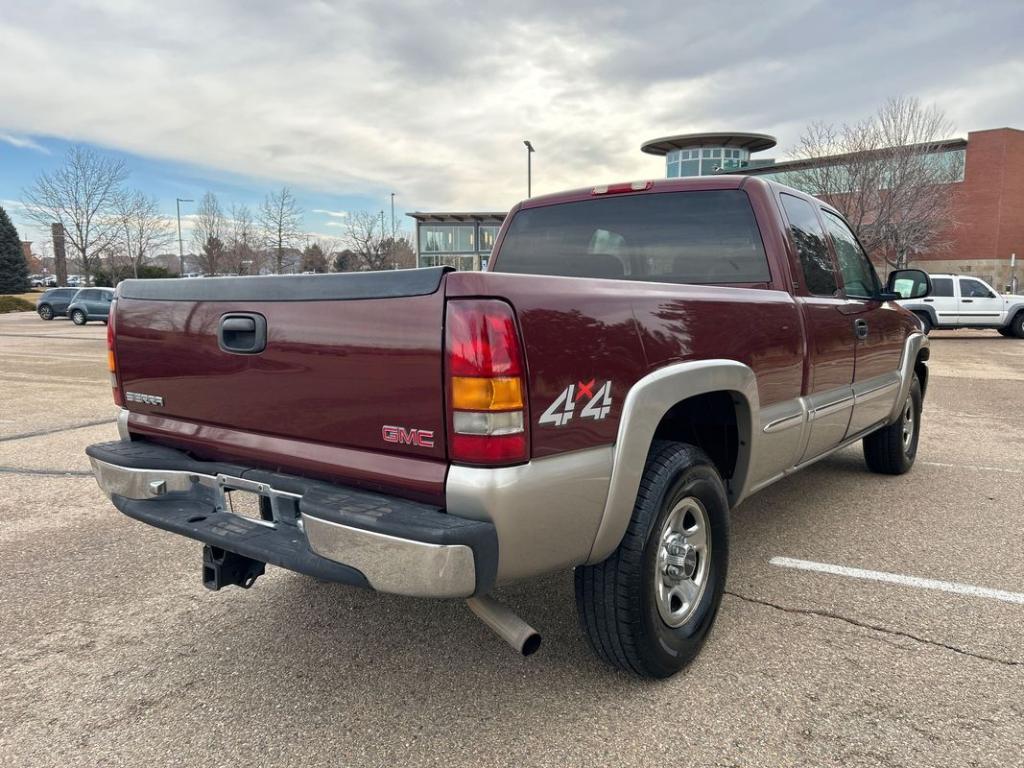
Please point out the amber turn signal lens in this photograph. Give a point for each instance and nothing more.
(503, 393)
(110, 361)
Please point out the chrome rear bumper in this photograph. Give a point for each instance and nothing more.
(397, 546)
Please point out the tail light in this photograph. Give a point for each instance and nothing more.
(486, 383)
(111, 357)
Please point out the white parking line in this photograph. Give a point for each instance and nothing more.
(980, 468)
(894, 578)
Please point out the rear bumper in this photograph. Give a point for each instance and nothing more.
(331, 532)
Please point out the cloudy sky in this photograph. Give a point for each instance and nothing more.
(347, 102)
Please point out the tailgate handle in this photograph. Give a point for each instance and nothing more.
(242, 333)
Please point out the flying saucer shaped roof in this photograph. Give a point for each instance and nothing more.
(752, 142)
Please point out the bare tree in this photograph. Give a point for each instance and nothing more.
(209, 224)
(143, 229)
(373, 247)
(888, 175)
(281, 221)
(242, 254)
(81, 196)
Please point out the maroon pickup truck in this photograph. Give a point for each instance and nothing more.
(637, 360)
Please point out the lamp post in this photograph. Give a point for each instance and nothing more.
(181, 252)
(392, 215)
(529, 170)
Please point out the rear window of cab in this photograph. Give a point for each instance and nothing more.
(702, 237)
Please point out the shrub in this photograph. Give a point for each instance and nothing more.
(15, 304)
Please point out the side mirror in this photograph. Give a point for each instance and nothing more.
(908, 284)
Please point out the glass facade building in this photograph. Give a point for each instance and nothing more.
(460, 240)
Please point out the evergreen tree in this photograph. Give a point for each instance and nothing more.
(13, 268)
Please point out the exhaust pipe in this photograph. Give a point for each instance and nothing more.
(509, 627)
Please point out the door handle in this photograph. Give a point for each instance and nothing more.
(967, 301)
(860, 327)
(242, 333)
(929, 300)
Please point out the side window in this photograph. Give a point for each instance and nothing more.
(809, 241)
(859, 276)
(942, 287)
(973, 289)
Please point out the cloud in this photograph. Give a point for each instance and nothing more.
(432, 101)
(23, 143)
(333, 214)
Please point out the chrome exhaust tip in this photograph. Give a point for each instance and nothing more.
(506, 625)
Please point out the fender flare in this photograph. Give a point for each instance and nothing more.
(643, 409)
(928, 310)
(1011, 312)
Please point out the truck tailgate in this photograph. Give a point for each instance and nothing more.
(345, 355)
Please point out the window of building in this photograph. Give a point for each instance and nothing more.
(683, 237)
(809, 242)
(942, 287)
(488, 234)
(465, 238)
(859, 278)
(974, 289)
(436, 239)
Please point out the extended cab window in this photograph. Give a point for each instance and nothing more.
(859, 276)
(668, 237)
(974, 289)
(809, 241)
(942, 286)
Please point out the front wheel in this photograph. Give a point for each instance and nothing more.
(891, 450)
(648, 608)
(78, 317)
(926, 322)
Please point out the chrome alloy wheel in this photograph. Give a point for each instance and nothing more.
(684, 556)
(908, 424)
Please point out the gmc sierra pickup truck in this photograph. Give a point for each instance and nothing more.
(637, 360)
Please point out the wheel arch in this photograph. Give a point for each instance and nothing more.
(924, 309)
(662, 405)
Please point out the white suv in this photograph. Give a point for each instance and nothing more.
(957, 301)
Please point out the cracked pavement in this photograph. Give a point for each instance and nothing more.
(115, 654)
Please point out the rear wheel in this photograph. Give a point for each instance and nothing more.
(45, 311)
(78, 317)
(649, 607)
(892, 449)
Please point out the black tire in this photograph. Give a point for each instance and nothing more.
(1007, 332)
(617, 600)
(886, 451)
(1017, 325)
(78, 317)
(45, 311)
(926, 322)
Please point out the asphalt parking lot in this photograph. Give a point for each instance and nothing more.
(114, 654)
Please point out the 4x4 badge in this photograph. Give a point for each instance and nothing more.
(561, 411)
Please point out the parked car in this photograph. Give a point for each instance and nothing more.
(637, 360)
(90, 304)
(959, 301)
(42, 281)
(54, 302)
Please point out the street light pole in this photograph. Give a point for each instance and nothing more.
(392, 215)
(181, 252)
(529, 169)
